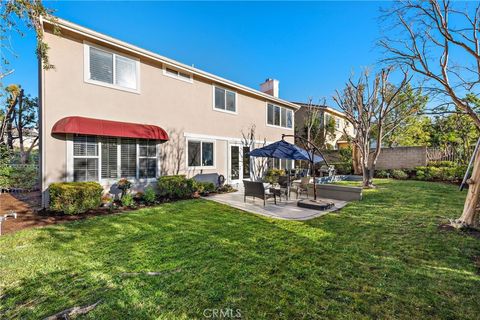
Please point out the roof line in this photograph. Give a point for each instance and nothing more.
(322, 106)
(55, 21)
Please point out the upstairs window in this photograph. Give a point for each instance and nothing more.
(180, 75)
(279, 116)
(111, 69)
(225, 100)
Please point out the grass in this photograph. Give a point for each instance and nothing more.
(383, 257)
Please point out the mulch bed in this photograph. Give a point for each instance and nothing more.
(27, 206)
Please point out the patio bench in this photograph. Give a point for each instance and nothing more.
(257, 190)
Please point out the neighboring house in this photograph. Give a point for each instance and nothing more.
(111, 110)
(342, 128)
(29, 138)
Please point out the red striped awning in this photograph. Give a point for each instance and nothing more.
(98, 127)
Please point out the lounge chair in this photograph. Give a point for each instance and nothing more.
(257, 190)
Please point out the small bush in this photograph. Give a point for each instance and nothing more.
(399, 174)
(176, 187)
(441, 164)
(124, 185)
(205, 187)
(127, 200)
(344, 168)
(149, 195)
(22, 177)
(226, 189)
(382, 174)
(75, 197)
(433, 173)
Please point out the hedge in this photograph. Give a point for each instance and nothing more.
(75, 197)
(22, 177)
(176, 187)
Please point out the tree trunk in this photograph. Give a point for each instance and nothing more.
(470, 210)
(367, 177)
(356, 160)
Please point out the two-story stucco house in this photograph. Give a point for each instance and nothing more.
(342, 129)
(111, 110)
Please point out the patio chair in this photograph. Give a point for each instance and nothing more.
(256, 189)
(302, 187)
(284, 183)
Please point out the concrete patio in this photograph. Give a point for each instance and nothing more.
(285, 209)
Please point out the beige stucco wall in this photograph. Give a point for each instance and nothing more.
(179, 107)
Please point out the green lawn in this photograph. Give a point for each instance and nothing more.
(382, 257)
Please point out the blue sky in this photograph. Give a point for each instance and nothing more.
(311, 47)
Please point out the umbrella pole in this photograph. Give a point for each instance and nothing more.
(312, 165)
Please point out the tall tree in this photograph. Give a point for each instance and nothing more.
(317, 127)
(374, 108)
(14, 14)
(439, 40)
(20, 122)
(414, 129)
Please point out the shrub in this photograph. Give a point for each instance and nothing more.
(124, 185)
(18, 176)
(205, 186)
(399, 174)
(149, 195)
(382, 174)
(127, 200)
(273, 174)
(346, 166)
(75, 197)
(421, 173)
(443, 163)
(432, 173)
(176, 187)
(226, 189)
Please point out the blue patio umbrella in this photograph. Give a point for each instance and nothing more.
(285, 150)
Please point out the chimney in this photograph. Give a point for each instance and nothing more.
(270, 86)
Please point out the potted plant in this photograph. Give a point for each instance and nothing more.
(124, 185)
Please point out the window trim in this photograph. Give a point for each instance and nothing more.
(275, 126)
(86, 68)
(107, 181)
(201, 146)
(222, 110)
(73, 157)
(178, 76)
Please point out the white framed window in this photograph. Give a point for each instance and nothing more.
(85, 158)
(108, 68)
(104, 158)
(337, 123)
(224, 100)
(274, 163)
(147, 159)
(200, 154)
(177, 74)
(279, 116)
